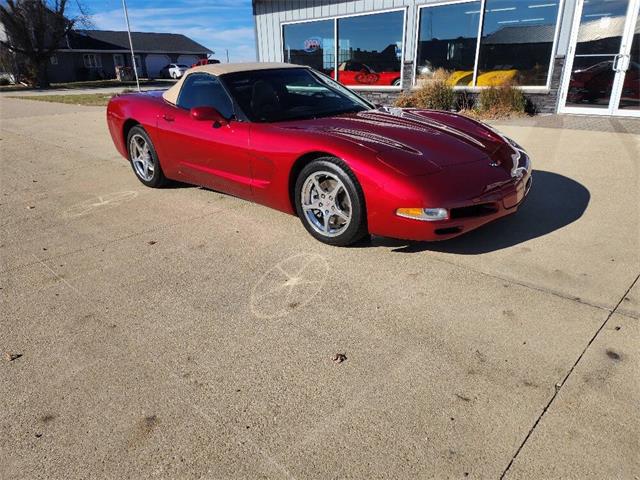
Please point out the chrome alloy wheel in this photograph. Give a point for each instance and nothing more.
(326, 203)
(141, 157)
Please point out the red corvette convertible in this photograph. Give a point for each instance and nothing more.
(295, 140)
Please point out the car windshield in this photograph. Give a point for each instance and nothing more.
(182, 66)
(290, 94)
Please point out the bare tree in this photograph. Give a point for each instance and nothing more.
(34, 30)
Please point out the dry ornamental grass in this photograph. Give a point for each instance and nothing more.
(435, 92)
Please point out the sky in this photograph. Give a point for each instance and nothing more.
(217, 24)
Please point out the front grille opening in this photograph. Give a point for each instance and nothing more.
(448, 230)
(474, 210)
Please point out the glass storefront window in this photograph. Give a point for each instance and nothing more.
(311, 44)
(601, 27)
(517, 42)
(447, 39)
(370, 49)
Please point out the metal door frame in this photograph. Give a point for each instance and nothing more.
(620, 64)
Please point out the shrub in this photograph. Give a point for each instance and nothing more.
(436, 95)
(405, 100)
(464, 101)
(501, 101)
(433, 93)
(4, 81)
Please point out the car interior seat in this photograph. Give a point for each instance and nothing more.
(264, 100)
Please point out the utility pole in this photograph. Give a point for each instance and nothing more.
(133, 58)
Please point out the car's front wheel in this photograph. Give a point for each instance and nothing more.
(330, 202)
(144, 159)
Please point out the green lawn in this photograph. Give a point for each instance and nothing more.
(111, 83)
(95, 84)
(88, 99)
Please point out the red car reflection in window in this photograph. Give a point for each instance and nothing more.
(594, 84)
(356, 73)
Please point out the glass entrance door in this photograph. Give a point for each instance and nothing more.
(602, 73)
(629, 95)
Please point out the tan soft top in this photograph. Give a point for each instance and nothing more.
(171, 95)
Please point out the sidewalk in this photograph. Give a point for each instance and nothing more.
(577, 122)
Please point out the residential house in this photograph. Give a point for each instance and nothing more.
(95, 54)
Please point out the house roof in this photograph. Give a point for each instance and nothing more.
(589, 31)
(142, 41)
(522, 34)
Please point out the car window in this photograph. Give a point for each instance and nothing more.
(203, 90)
(288, 94)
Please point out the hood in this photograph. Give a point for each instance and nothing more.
(412, 141)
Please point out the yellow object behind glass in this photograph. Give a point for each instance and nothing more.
(496, 78)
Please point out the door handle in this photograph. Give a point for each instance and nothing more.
(626, 61)
(168, 118)
(616, 59)
(621, 62)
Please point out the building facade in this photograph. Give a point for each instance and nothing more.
(569, 56)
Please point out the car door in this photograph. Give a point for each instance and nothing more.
(206, 153)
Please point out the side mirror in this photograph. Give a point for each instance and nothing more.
(209, 114)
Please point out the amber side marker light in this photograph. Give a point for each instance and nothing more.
(424, 214)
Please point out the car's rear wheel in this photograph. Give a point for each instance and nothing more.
(330, 202)
(144, 159)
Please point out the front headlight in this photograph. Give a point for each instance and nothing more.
(424, 214)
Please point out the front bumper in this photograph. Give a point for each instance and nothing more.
(467, 216)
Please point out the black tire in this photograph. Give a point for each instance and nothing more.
(357, 227)
(157, 179)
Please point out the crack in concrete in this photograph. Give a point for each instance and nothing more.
(560, 384)
(538, 288)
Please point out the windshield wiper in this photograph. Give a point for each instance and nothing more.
(314, 115)
(333, 113)
(355, 109)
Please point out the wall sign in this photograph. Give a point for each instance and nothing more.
(312, 44)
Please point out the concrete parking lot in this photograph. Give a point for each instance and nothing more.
(183, 333)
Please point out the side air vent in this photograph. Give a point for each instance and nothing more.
(474, 211)
(448, 230)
